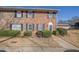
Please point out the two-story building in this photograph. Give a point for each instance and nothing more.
(28, 19)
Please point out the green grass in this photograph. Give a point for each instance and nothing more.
(9, 32)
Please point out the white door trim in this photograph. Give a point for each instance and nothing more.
(50, 24)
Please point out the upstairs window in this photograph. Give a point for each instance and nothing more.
(18, 14)
(50, 15)
(30, 14)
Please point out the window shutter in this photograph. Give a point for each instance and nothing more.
(37, 27)
(26, 14)
(21, 13)
(33, 14)
(26, 26)
(43, 26)
(21, 26)
(15, 14)
(48, 15)
(33, 26)
(10, 26)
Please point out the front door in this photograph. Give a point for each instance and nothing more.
(50, 26)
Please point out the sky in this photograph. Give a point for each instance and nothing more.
(65, 12)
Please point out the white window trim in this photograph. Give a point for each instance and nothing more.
(50, 24)
(18, 14)
(50, 15)
(28, 26)
(16, 27)
(40, 27)
(30, 14)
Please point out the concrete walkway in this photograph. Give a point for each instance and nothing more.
(32, 49)
(64, 44)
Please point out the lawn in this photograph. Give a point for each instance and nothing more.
(72, 37)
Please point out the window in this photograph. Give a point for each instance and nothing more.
(30, 14)
(18, 14)
(40, 27)
(16, 26)
(30, 27)
(50, 15)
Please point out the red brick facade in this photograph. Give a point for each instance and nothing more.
(40, 17)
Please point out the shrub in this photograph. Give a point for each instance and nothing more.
(46, 34)
(39, 33)
(9, 32)
(28, 33)
(54, 32)
(62, 31)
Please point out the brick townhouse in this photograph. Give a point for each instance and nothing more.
(25, 19)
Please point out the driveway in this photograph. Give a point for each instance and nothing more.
(55, 44)
(19, 44)
(64, 44)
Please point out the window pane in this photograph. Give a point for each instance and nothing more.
(16, 27)
(30, 14)
(18, 14)
(50, 15)
(30, 27)
(40, 27)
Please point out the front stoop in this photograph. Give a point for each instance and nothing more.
(33, 33)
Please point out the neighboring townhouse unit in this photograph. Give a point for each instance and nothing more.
(28, 19)
(65, 26)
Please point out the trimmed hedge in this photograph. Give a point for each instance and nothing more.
(60, 31)
(9, 32)
(46, 34)
(28, 33)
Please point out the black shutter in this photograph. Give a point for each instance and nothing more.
(10, 26)
(48, 15)
(26, 26)
(15, 14)
(37, 27)
(33, 14)
(21, 13)
(33, 26)
(21, 26)
(43, 26)
(26, 14)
